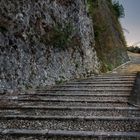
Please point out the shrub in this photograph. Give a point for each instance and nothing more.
(118, 8)
(61, 36)
(134, 49)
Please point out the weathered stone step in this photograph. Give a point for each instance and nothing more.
(94, 108)
(70, 111)
(86, 90)
(68, 103)
(26, 99)
(75, 102)
(68, 98)
(89, 88)
(93, 85)
(104, 81)
(70, 108)
(76, 93)
(109, 78)
(80, 118)
(91, 123)
(113, 76)
(31, 134)
(99, 82)
(73, 94)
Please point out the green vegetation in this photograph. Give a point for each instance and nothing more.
(134, 49)
(118, 8)
(99, 29)
(3, 29)
(109, 38)
(61, 36)
(4, 24)
(61, 80)
(90, 6)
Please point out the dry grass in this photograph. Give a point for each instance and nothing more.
(109, 38)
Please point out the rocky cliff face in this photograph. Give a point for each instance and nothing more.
(43, 42)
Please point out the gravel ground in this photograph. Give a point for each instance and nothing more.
(77, 125)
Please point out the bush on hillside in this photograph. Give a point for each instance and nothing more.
(134, 49)
(118, 8)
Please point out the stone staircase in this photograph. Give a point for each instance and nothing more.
(96, 108)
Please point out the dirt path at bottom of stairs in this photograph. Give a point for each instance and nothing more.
(132, 66)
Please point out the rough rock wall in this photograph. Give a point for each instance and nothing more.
(45, 41)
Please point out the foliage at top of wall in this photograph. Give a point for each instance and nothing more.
(118, 9)
(107, 30)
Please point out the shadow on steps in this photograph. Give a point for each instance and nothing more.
(135, 95)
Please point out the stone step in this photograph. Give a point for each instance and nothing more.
(93, 85)
(95, 108)
(68, 98)
(76, 93)
(113, 76)
(86, 90)
(70, 111)
(90, 123)
(72, 94)
(100, 82)
(69, 108)
(108, 78)
(31, 134)
(74, 103)
(104, 81)
(66, 102)
(26, 99)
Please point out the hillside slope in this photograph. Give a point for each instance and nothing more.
(109, 38)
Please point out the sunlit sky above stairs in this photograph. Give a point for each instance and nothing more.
(131, 22)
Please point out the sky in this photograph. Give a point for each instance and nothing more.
(131, 22)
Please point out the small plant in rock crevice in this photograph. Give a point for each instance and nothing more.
(61, 36)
